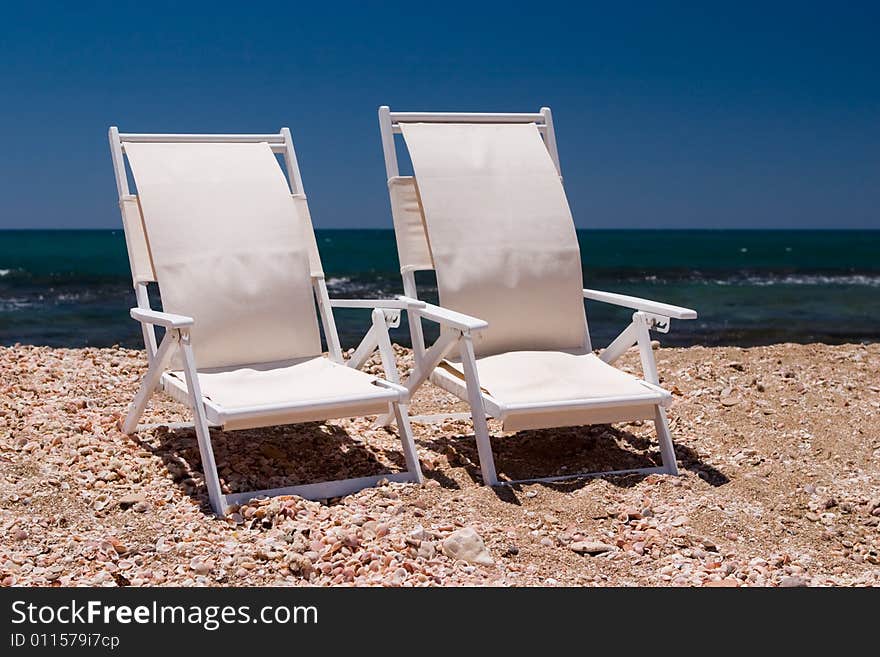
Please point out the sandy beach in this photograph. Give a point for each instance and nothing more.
(779, 448)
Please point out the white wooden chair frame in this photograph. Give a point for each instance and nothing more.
(649, 315)
(385, 313)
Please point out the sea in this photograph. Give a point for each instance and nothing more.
(73, 288)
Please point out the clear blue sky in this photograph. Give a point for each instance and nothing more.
(673, 115)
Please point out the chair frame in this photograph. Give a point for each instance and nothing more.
(648, 315)
(385, 313)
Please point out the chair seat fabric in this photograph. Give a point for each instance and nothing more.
(530, 377)
(312, 380)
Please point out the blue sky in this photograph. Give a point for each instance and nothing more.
(669, 115)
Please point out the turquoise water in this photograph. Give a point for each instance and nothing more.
(72, 288)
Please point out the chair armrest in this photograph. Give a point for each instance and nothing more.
(444, 316)
(654, 307)
(385, 304)
(167, 320)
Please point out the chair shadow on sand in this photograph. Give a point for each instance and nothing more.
(273, 457)
(569, 450)
(270, 457)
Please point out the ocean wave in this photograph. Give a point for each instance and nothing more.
(14, 275)
(340, 284)
(335, 281)
(860, 280)
(49, 298)
(375, 286)
(741, 278)
(14, 303)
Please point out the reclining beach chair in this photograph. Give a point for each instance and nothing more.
(487, 212)
(230, 243)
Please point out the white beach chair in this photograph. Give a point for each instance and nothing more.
(230, 243)
(487, 212)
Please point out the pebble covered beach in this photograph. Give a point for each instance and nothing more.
(779, 449)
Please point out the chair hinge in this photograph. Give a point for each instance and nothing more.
(658, 323)
(392, 317)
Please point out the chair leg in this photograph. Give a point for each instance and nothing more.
(386, 351)
(406, 440)
(203, 433)
(667, 451)
(423, 369)
(484, 445)
(478, 413)
(151, 382)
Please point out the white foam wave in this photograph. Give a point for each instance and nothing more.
(861, 280)
(14, 303)
(339, 283)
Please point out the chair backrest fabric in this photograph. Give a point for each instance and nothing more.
(500, 232)
(230, 246)
(409, 225)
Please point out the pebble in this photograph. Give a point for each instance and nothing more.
(789, 582)
(398, 576)
(128, 501)
(591, 547)
(467, 545)
(200, 567)
(427, 550)
(419, 534)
